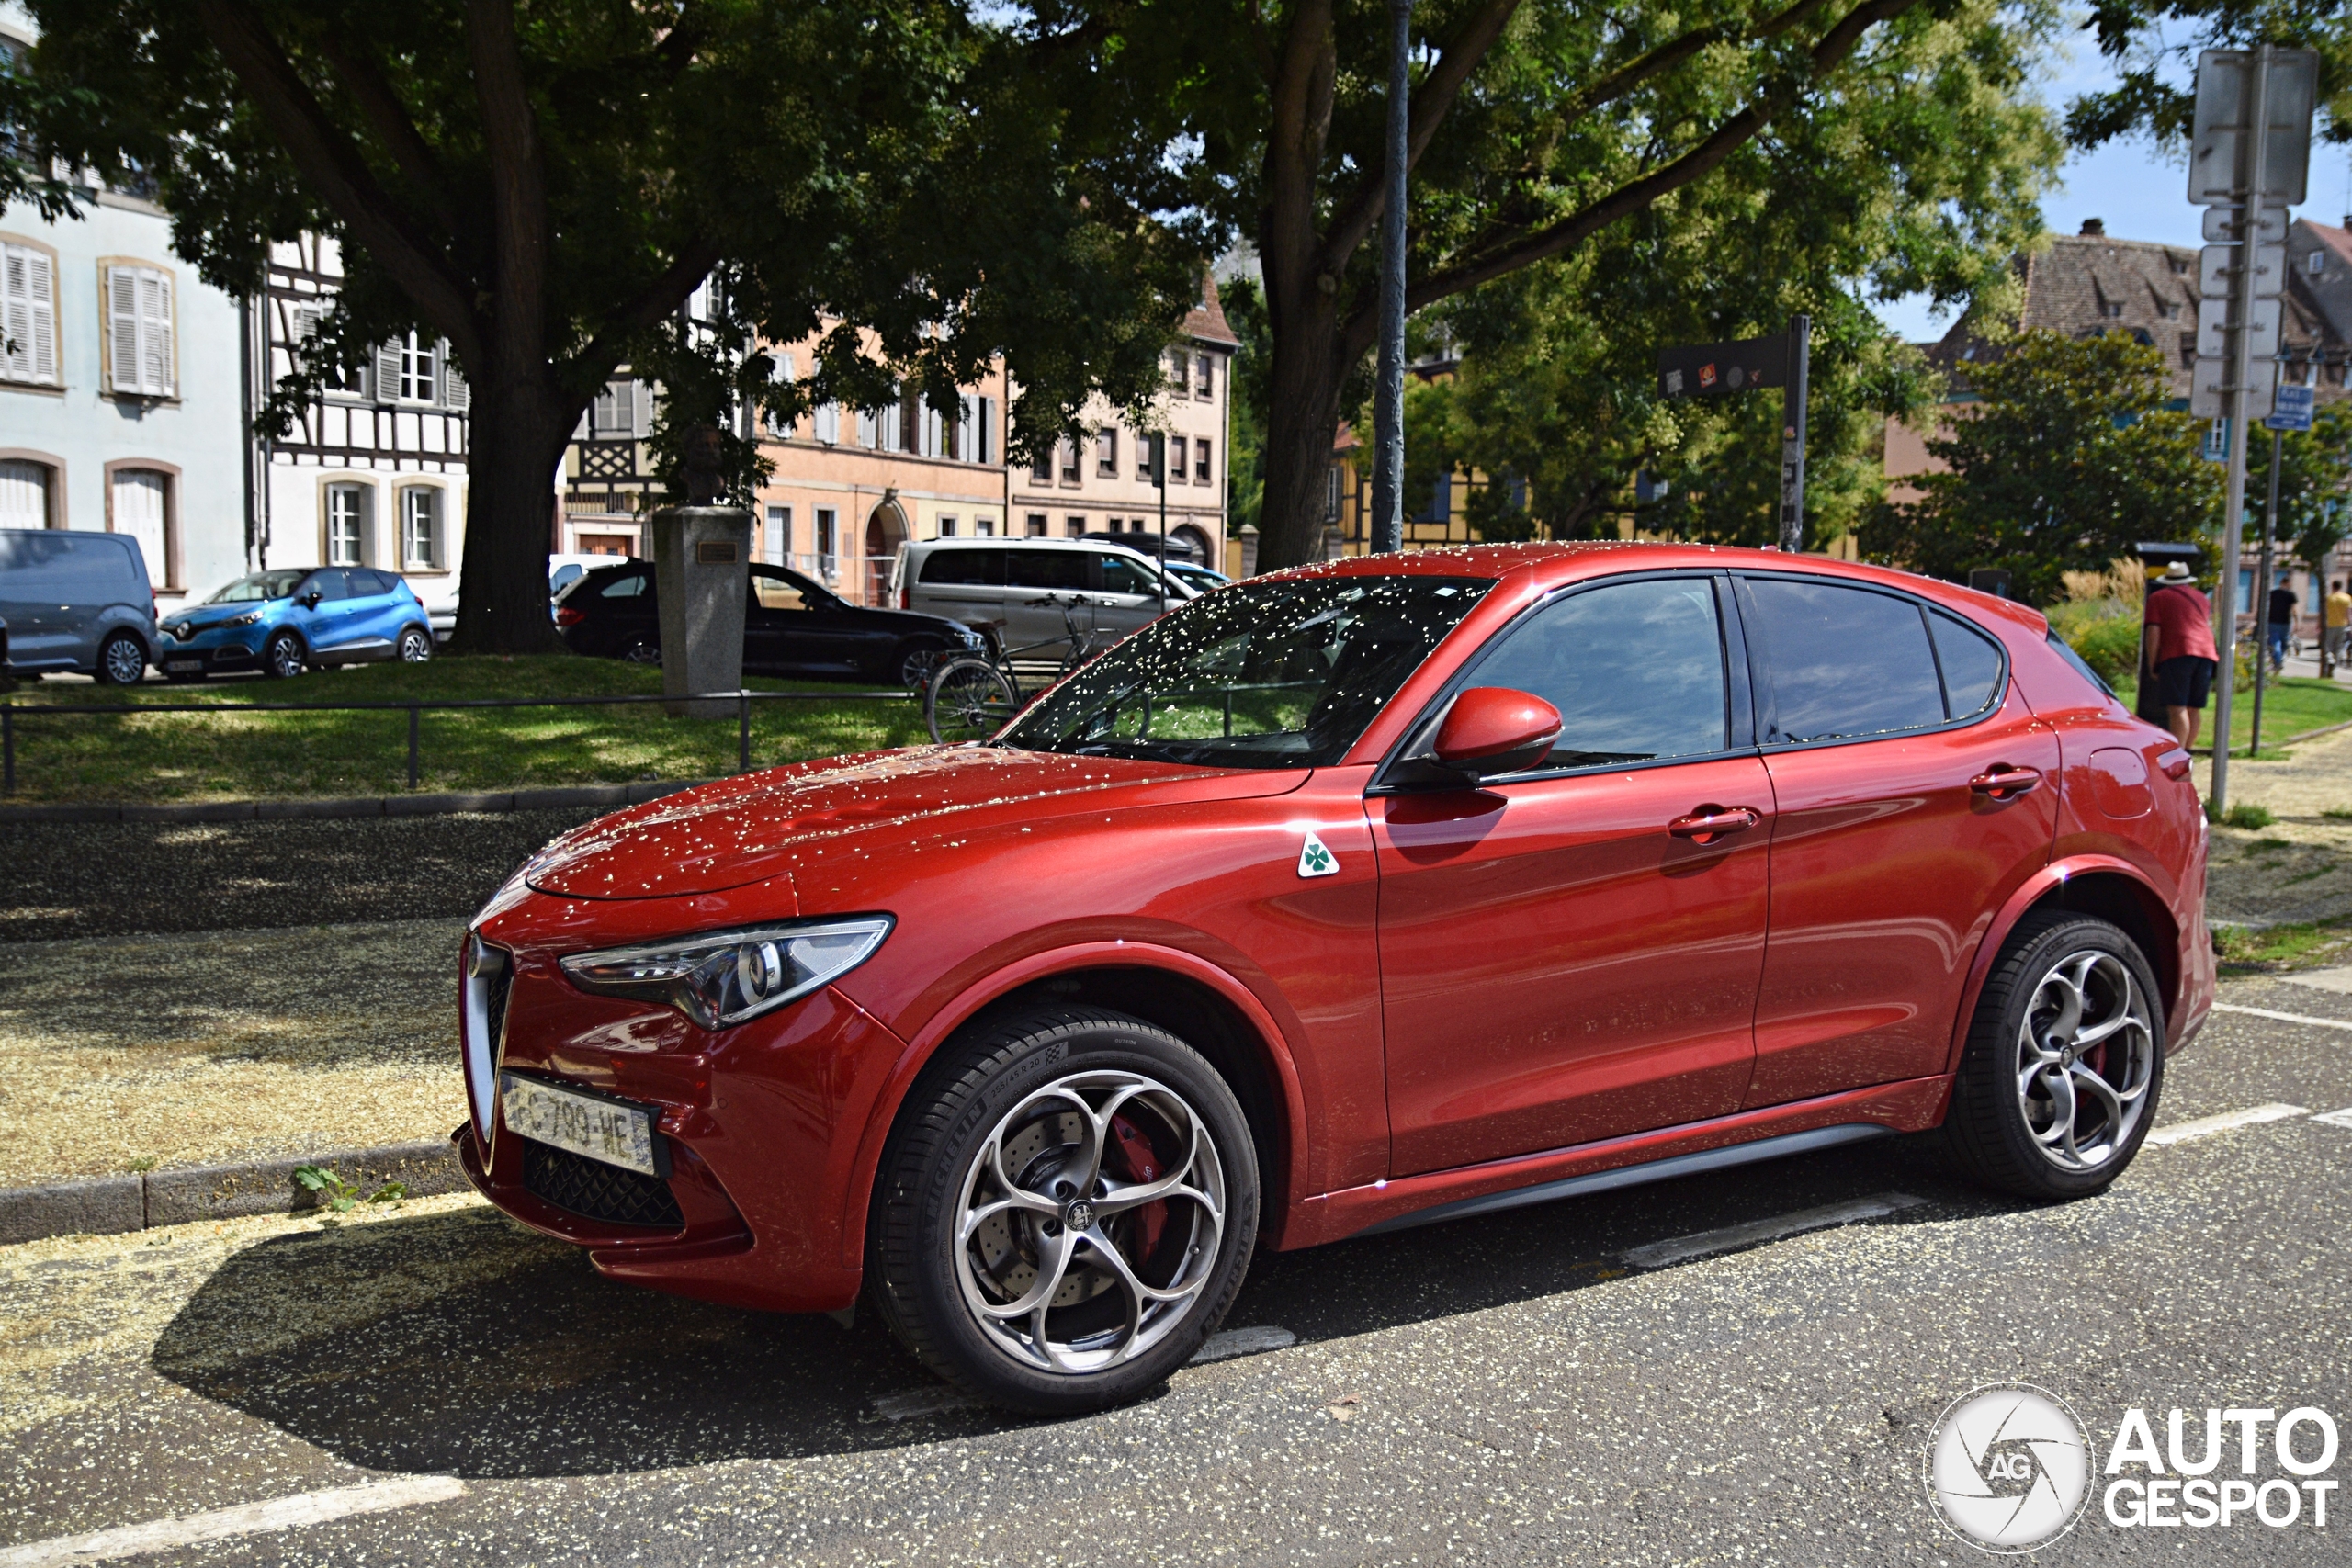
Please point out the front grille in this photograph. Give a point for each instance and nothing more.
(596, 1190)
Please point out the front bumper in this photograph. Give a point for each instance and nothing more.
(209, 650)
(761, 1137)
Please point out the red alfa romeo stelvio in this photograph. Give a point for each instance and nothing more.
(1340, 899)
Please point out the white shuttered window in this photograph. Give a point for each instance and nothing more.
(28, 315)
(141, 357)
(141, 509)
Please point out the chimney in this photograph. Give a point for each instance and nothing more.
(2094, 228)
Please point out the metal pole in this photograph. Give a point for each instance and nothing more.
(9, 742)
(1793, 410)
(411, 745)
(742, 730)
(2262, 601)
(1388, 397)
(1162, 467)
(2241, 373)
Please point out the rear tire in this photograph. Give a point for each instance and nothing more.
(2065, 1064)
(415, 646)
(641, 650)
(122, 661)
(968, 699)
(1020, 1153)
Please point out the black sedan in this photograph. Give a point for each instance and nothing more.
(792, 626)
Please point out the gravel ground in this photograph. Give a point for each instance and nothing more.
(1503, 1390)
(2298, 868)
(225, 1045)
(122, 878)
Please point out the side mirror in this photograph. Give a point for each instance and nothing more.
(1493, 729)
(310, 600)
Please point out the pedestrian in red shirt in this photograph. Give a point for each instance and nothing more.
(2176, 650)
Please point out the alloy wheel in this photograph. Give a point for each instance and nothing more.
(126, 662)
(415, 647)
(283, 658)
(1088, 1222)
(2085, 1054)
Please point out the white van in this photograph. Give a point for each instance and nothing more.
(1012, 590)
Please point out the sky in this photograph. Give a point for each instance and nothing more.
(2139, 191)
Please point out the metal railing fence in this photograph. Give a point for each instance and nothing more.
(11, 713)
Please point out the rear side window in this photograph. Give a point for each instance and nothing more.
(368, 584)
(1971, 662)
(1636, 669)
(1842, 663)
(970, 569)
(1062, 570)
(627, 585)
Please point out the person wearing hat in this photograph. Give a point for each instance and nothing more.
(2176, 650)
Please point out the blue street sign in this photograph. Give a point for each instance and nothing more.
(2292, 411)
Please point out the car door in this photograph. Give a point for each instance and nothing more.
(372, 616)
(316, 622)
(1126, 596)
(35, 598)
(1039, 584)
(1565, 954)
(778, 630)
(1917, 791)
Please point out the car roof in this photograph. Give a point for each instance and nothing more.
(1023, 542)
(1553, 565)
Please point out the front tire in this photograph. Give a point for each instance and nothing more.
(2065, 1064)
(968, 699)
(282, 657)
(915, 660)
(122, 661)
(1066, 1211)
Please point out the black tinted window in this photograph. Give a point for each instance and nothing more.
(328, 585)
(1121, 575)
(628, 585)
(1636, 669)
(372, 583)
(1062, 570)
(1843, 663)
(976, 569)
(1971, 664)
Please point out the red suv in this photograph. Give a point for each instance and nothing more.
(1342, 899)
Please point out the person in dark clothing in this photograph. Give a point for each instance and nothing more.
(2281, 622)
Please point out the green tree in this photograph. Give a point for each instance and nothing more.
(2066, 456)
(1538, 126)
(2315, 465)
(544, 181)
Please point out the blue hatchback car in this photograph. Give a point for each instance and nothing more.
(285, 621)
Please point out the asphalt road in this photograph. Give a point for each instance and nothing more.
(1509, 1389)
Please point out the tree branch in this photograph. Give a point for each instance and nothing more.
(650, 304)
(518, 193)
(1572, 230)
(1674, 51)
(340, 174)
(382, 108)
(1424, 115)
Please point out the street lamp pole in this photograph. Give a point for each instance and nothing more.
(1388, 395)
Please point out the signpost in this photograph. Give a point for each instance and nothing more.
(2249, 156)
(2291, 409)
(1719, 370)
(1388, 390)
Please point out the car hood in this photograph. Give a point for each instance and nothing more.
(750, 829)
(199, 617)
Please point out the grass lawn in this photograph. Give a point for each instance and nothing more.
(235, 756)
(2288, 707)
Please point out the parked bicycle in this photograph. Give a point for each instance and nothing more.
(972, 696)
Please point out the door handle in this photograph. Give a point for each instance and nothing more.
(2002, 782)
(1708, 823)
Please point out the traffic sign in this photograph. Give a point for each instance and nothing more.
(2261, 328)
(2226, 95)
(2217, 270)
(1716, 369)
(2292, 409)
(2222, 224)
(2209, 381)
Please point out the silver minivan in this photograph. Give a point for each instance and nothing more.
(1014, 591)
(76, 601)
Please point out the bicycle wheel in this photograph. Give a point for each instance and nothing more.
(968, 699)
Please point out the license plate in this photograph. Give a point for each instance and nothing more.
(185, 664)
(606, 1130)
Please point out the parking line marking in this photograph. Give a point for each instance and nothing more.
(222, 1524)
(2206, 1126)
(1679, 1249)
(1241, 1342)
(2336, 1117)
(2283, 1017)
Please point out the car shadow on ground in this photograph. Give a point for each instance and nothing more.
(459, 1343)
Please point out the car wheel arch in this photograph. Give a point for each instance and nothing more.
(1201, 1003)
(2103, 885)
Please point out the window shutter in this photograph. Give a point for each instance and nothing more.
(828, 424)
(16, 312)
(984, 448)
(387, 372)
(155, 340)
(640, 402)
(122, 329)
(456, 396)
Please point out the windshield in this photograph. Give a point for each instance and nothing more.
(1283, 674)
(258, 586)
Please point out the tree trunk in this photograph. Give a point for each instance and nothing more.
(1300, 429)
(516, 437)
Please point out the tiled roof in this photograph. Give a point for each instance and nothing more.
(1206, 322)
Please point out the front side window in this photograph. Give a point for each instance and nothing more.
(1121, 575)
(346, 525)
(257, 587)
(774, 591)
(420, 528)
(1842, 663)
(1636, 669)
(1265, 674)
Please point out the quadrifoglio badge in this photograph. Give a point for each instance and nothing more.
(2009, 1468)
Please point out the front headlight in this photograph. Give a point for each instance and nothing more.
(719, 978)
(248, 618)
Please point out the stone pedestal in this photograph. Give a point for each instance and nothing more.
(702, 557)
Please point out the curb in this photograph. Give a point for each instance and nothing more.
(109, 1206)
(357, 806)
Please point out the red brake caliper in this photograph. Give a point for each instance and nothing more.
(1142, 1165)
